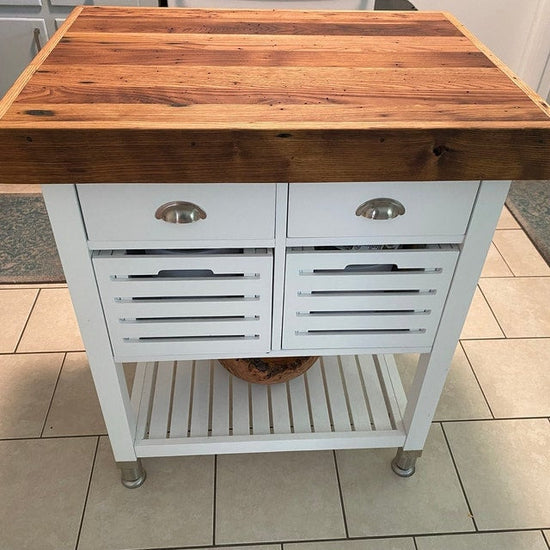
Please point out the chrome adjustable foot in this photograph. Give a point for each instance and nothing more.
(404, 462)
(132, 474)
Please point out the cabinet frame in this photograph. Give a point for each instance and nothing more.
(414, 412)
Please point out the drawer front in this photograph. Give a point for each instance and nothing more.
(183, 304)
(365, 298)
(430, 208)
(101, 3)
(127, 212)
(266, 4)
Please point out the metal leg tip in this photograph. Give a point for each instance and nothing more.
(132, 476)
(404, 463)
(402, 472)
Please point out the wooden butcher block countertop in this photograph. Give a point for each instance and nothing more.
(176, 95)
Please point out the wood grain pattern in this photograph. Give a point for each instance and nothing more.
(162, 95)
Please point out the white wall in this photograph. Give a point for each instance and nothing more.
(517, 31)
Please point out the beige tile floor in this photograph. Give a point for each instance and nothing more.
(483, 482)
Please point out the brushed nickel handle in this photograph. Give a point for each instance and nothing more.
(380, 209)
(36, 36)
(180, 212)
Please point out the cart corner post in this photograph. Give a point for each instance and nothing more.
(68, 227)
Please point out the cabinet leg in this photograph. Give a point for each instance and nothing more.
(132, 474)
(404, 463)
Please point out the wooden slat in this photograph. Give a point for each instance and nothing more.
(158, 427)
(189, 55)
(260, 409)
(250, 22)
(179, 423)
(279, 408)
(394, 395)
(384, 321)
(377, 282)
(332, 340)
(207, 80)
(240, 407)
(233, 45)
(374, 392)
(220, 401)
(201, 399)
(145, 398)
(168, 329)
(137, 386)
(381, 301)
(336, 395)
(174, 308)
(264, 85)
(148, 95)
(134, 288)
(107, 13)
(396, 384)
(317, 399)
(381, 110)
(354, 388)
(301, 422)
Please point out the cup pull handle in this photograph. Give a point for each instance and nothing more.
(180, 212)
(380, 209)
(36, 38)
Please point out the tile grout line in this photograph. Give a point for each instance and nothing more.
(476, 378)
(546, 540)
(214, 501)
(447, 421)
(536, 250)
(529, 237)
(491, 309)
(69, 436)
(374, 538)
(478, 339)
(476, 533)
(503, 258)
(53, 395)
(341, 494)
(87, 493)
(459, 479)
(64, 351)
(515, 277)
(27, 321)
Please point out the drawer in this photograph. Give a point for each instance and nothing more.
(126, 213)
(186, 303)
(267, 4)
(365, 298)
(430, 208)
(20, 2)
(99, 3)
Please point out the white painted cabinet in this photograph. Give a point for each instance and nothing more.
(275, 4)
(18, 46)
(354, 295)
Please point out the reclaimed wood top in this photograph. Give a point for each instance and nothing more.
(179, 95)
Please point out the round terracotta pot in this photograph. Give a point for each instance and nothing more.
(271, 370)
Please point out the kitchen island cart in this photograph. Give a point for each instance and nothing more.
(269, 183)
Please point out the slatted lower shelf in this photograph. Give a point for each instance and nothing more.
(197, 407)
